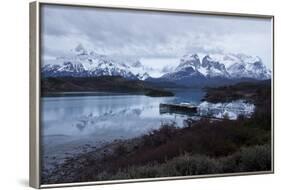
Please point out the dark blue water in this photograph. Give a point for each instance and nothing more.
(190, 95)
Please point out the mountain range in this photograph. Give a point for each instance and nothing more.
(81, 63)
(200, 69)
(192, 69)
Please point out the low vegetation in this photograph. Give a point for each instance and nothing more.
(247, 159)
(255, 92)
(204, 148)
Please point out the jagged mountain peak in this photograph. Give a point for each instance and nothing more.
(80, 63)
(219, 65)
(213, 67)
(189, 60)
(249, 67)
(207, 58)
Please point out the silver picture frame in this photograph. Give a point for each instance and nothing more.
(34, 97)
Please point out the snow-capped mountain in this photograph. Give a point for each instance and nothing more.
(194, 67)
(213, 68)
(81, 63)
(189, 60)
(249, 67)
(186, 70)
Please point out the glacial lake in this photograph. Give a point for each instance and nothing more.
(108, 115)
(68, 123)
(74, 124)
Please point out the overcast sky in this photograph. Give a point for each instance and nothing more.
(143, 34)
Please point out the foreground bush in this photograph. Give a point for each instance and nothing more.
(250, 159)
(213, 139)
(206, 147)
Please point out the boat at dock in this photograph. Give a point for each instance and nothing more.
(184, 107)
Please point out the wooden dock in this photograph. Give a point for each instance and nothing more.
(184, 107)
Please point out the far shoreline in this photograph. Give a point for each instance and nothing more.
(105, 93)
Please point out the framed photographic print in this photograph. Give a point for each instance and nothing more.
(127, 94)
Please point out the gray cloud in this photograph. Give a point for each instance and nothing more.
(151, 34)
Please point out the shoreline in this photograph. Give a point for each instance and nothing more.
(151, 93)
(89, 93)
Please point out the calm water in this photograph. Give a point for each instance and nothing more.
(69, 123)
